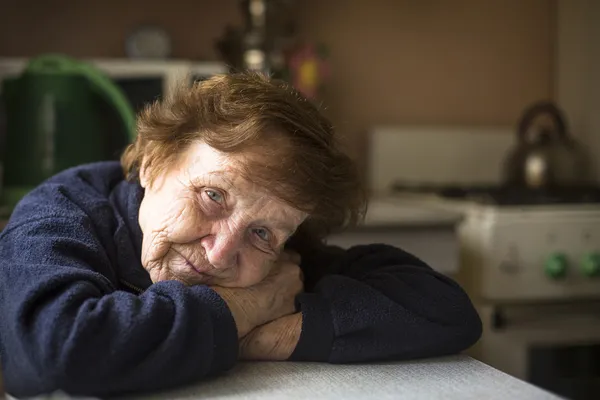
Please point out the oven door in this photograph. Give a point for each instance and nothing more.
(555, 347)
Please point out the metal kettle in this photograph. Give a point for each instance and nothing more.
(545, 155)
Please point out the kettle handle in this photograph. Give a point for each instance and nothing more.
(99, 82)
(543, 107)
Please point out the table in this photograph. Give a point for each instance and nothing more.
(456, 377)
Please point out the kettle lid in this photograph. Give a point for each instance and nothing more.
(556, 131)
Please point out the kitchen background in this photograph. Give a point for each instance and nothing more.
(393, 61)
(427, 95)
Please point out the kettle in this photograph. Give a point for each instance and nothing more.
(60, 113)
(545, 155)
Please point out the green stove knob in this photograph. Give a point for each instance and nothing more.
(590, 265)
(556, 266)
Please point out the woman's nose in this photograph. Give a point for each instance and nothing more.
(222, 250)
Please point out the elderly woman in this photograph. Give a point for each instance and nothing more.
(205, 246)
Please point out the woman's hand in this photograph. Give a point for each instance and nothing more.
(268, 300)
(274, 341)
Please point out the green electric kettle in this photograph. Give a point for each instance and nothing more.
(60, 113)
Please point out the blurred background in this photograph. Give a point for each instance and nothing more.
(474, 124)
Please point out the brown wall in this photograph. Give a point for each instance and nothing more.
(394, 61)
(99, 28)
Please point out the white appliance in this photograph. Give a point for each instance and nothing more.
(530, 261)
(532, 253)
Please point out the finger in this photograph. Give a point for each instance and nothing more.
(294, 257)
(275, 268)
(283, 256)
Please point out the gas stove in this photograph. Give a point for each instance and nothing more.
(521, 245)
(529, 259)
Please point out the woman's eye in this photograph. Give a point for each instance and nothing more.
(214, 196)
(262, 234)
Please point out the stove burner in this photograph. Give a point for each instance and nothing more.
(508, 196)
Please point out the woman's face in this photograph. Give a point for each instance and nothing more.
(204, 224)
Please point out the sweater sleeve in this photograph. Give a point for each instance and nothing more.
(64, 326)
(377, 302)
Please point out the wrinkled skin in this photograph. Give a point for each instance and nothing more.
(204, 224)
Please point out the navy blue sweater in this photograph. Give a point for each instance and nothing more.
(79, 313)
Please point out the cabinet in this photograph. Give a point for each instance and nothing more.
(436, 245)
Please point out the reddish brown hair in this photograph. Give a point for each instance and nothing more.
(291, 146)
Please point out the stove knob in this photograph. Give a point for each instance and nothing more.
(556, 266)
(590, 265)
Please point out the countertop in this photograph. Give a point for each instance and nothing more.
(410, 224)
(388, 212)
(456, 377)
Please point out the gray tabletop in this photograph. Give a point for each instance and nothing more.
(457, 377)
